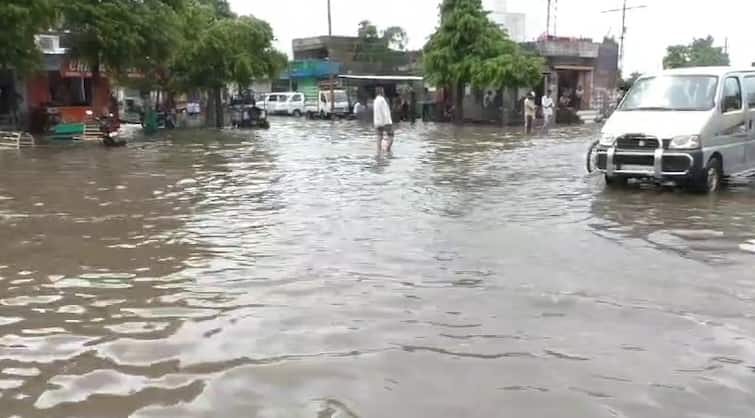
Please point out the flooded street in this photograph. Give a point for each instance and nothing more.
(292, 273)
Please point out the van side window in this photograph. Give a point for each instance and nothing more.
(272, 98)
(732, 95)
(750, 89)
(297, 98)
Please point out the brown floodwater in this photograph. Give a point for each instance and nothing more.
(292, 273)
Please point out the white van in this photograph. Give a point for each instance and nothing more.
(689, 127)
(324, 106)
(285, 103)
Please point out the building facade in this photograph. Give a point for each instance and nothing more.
(578, 64)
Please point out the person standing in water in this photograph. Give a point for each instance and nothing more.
(530, 112)
(382, 120)
(547, 104)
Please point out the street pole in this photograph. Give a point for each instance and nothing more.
(548, 21)
(623, 33)
(624, 9)
(332, 78)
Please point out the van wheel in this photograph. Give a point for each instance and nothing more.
(297, 113)
(712, 179)
(616, 181)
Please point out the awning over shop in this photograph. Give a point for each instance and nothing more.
(382, 77)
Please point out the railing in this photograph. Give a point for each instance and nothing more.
(10, 139)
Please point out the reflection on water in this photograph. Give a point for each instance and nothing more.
(292, 272)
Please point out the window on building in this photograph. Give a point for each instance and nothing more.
(66, 91)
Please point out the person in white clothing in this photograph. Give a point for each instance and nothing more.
(382, 120)
(530, 112)
(547, 104)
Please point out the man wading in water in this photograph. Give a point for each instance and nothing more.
(382, 120)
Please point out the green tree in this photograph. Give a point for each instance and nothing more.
(226, 50)
(220, 8)
(120, 34)
(468, 48)
(384, 49)
(20, 20)
(700, 53)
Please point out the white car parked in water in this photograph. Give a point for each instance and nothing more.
(286, 103)
(689, 126)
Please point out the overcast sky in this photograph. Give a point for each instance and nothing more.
(649, 31)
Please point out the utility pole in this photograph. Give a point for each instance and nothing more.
(332, 78)
(552, 17)
(555, 17)
(623, 11)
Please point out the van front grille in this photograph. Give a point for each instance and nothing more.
(637, 142)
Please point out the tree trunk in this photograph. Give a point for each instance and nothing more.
(13, 94)
(459, 98)
(504, 113)
(218, 108)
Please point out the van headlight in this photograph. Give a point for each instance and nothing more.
(685, 142)
(607, 140)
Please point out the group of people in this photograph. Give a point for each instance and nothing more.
(530, 111)
(571, 98)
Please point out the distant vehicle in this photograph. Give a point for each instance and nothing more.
(286, 103)
(688, 127)
(246, 112)
(324, 107)
(131, 109)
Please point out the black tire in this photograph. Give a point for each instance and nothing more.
(297, 113)
(712, 177)
(616, 181)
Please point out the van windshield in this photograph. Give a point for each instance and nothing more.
(672, 92)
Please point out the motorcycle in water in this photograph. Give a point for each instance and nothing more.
(109, 129)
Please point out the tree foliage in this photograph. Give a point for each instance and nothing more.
(220, 8)
(120, 34)
(216, 49)
(386, 49)
(20, 20)
(468, 48)
(700, 53)
(227, 50)
(179, 45)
